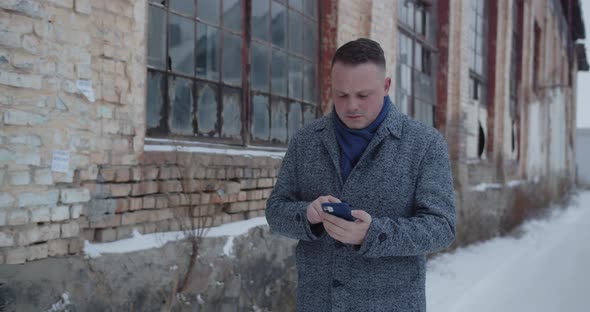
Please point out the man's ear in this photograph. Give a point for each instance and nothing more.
(387, 85)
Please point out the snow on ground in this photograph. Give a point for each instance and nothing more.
(545, 269)
(156, 240)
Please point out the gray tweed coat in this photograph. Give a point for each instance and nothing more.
(403, 180)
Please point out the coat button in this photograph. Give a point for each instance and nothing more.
(337, 283)
(297, 218)
(382, 237)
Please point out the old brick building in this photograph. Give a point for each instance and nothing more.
(106, 105)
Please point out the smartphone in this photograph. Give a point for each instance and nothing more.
(341, 210)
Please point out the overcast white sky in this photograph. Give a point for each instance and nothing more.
(583, 116)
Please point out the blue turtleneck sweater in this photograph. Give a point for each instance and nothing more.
(353, 142)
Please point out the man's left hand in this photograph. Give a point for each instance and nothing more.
(346, 231)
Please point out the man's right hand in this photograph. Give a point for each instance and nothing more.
(314, 210)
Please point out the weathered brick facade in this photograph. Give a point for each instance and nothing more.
(114, 184)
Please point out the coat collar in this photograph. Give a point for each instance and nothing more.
(393, 124)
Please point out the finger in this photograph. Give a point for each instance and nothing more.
(361, 215)
(333, 199)
(319, 212)
(315, 215)
(337, 222)
(334, 231)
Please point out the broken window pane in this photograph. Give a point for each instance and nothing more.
(309, 83)
(279, 73)
(311, 40)
(260, 19)
(295, 78)
(279, 24)
(208, 10)
(181, 44)
(297, 4)
(183, 6)
(232, 113)
(207, 52)
(232, 14)
(295, 32)
(309, 113)
(155, 93)
(157, 37)
(260, 118)
(232, 59)
(311, 8)
(294, 122)
(207, 108)
(259, 66)
(180, 93)
(278, 122)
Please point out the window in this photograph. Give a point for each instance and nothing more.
(478, 51)
(515, 55)
(232, 71)
(415, 72)
(536, 56)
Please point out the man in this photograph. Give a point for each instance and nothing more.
(393, 171)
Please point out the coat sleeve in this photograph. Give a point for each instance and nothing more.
(432, 227)
(285, 213)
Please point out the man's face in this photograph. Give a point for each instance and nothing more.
(357, 92)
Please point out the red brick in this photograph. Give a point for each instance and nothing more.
(195, 199)
(122, 205)
(123, 175)
(159, 215)
(257, 204)
(171, 186)
(135, 217)
(107, 221)
(135, 174)
(242, 196)
(167, 173)
(161, 202)
(143, 188)
(150, 173)
(119, 190)
(215, 198)
(254, 195)
(248, 184)
(135, 203)
(105, 235)
(237, 207)
(106, 175)
(149, 202)
(265, 182)
(205, 198)
(266, 193)
(238, 217)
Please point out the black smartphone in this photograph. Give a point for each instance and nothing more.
(341, 210)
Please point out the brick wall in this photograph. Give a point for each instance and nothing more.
(46, 48)
(166, 189)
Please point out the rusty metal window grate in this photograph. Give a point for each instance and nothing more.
(232, 71)
(416, 60)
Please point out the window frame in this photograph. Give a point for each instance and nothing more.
(247, 92)
(427, 41)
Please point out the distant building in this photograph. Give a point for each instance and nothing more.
(583, 157)
(97, 95)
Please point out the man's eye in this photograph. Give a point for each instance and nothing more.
(343, 96)
(362, 96)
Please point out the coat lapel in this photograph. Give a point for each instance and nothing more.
(328, 136)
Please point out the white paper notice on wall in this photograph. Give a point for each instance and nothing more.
(85, 86)
(60, 161)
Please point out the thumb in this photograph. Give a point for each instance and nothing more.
(361, 215)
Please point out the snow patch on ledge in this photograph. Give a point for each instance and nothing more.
(157, 240)
(482, 187)
(195, 147)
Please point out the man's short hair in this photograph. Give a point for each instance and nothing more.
(360, 51)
